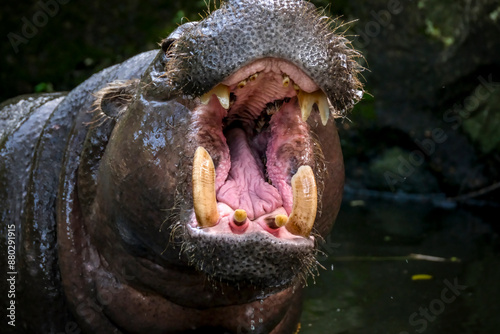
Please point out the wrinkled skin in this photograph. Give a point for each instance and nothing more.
(100, 204)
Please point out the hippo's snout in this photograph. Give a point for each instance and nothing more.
(258, 77)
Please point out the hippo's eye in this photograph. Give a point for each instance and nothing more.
(176, 34)
(166, 44)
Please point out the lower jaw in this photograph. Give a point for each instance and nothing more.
(255, 257)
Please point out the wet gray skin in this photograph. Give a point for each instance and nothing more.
(101, 205)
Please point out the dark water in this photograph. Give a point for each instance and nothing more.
(367, 286)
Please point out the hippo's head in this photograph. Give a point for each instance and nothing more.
(223, 159)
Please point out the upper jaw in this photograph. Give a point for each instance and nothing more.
(207, 53)
(283, 80)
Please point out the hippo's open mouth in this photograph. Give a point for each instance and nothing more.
(262, 188)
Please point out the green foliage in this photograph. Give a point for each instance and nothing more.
(443, 19)
(365, 109)
(44, 87)
(483, 127)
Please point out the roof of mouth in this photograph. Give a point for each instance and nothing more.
(276, 66)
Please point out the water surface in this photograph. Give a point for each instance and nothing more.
(369, 284)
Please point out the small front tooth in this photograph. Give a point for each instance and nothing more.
(286, 81)
(253, 77)
(280, 220)
(242, 84)
(305, 202)
(204, 198)
(240, 216)
(307, 101)
(221, 91)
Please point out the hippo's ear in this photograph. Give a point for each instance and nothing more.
(112, 100)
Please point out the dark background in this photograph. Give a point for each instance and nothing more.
(423, 127)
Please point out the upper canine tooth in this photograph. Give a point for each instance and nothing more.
(204, 198)
(307, 101)
(305, 202)
(323, 107)
(221, 91)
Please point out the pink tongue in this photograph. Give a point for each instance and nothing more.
(245, 187)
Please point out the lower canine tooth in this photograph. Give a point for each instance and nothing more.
(221, 91)
(204, 199)
(305, 202)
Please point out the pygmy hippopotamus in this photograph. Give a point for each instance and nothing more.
(184, 190)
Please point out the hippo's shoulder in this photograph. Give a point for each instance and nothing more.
(36, 134)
